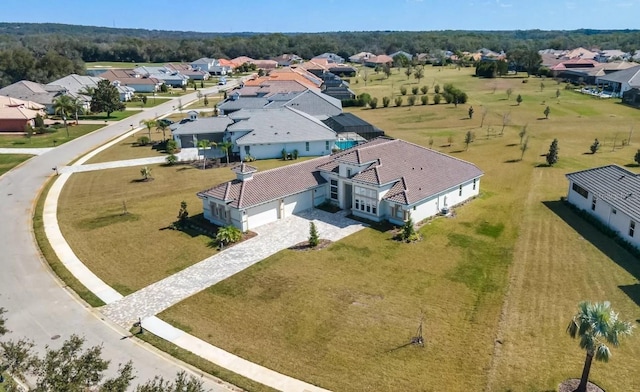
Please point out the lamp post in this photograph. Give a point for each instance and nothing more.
(64, 118)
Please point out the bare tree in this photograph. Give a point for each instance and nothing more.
(485, 111)
(524, 147)
(506, 119)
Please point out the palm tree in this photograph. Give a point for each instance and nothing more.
(204, 144)
(149, 124)
(145, 172)
(161, 125)
(63, 106)
(596, 324)
(228, 235)
(226, 146)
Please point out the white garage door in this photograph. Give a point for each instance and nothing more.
(262, 214)
(296, 203)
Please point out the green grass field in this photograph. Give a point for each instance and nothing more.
(496, 285)
(119, 64)
(9, 161)
(115, 116)
(129, 148)
(49, 139)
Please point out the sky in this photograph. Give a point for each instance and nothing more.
(329, 15)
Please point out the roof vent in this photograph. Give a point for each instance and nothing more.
(621, 177)
(628, 196)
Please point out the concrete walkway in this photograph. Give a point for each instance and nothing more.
(271, 239)
(26, 151)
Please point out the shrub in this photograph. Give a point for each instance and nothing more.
(183, 214)
(386, 101)
(436, 88)
(283, 154)
(408, 233)
(403, 90)
(373, 103)
(411, 100)
(143, 140)
(399, 101)
(171, 160)
(228, 235)
(636, 158)
(164, 88)
(171, 146)
(364, 99)
(314, 240)
(436, 99)
(294, 154)
(414, 90)
(424, 99)
(424, 89)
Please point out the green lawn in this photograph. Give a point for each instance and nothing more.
(9, 161)
(132, 251)
(508, 267)
(129, 148)
(118, 64)
(496, 285)
(151, 102)
(49, 139)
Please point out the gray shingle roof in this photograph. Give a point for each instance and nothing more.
(614, 184)
(280, 125)
(203, 125)
(629, 75)
(243, 103)
(418, 173)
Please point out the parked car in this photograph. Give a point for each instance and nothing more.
(222, 81)
(165, 121)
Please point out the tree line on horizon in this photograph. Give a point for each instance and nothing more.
(45, 52)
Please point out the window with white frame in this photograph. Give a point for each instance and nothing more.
(366, 200)
(306, 146)
(474, 184)
(334, 190)
(460, 190)
(632, 228)
(593, 203)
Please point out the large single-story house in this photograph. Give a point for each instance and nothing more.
(40, 93)
(330, 57)
(192, 73)
(168, 76)
(264, 133)
(15, 119)
(383, 179)
(612, 195)
(189, 131)
(621, 81)
(378, 61)
(127, 77)
(81, 84)
(360, 57)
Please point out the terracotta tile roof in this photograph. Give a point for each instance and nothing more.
(415, 173)
(226, 63)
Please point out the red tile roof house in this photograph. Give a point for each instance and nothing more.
(612, 195)
(383, 179)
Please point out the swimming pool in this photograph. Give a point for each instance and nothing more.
(344, 144)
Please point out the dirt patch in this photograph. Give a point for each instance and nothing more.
(571, 384)
(304, 246)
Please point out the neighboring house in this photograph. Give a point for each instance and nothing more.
(605, 56)
(16, 114)
(403, 53)
(580, 52)
(330, 57)
(168, 76)
(309, 101)
(285, 60)
(343, 70)
(36, 92)
(378, 60)
(264, 133)
(15, 119)
(266, 64)
(80, 85)
(361, 57)
(192, 73)
(189, 131)
(128, 78)
(383, 179)
(213, 66)
(621, 81)
(612, 195)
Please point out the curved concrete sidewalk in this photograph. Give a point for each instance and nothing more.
(148, 302)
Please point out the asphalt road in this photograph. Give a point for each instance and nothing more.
(39, 307)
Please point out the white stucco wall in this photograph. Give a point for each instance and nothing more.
(618, 221)
(269, 151)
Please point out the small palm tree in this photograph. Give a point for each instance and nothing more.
(203, 145)
(161, 125)
(63, 106)
(596, 324)
(145, 172)
(226, 146)
(149, 124)
(228, 235)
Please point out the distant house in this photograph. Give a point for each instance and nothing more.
(287, 59)
(380, 180)
(189, 131)
(612, 195)
(213, 66)
(36, 92)
(80, 85)
(378, 60)
(330, 57)
(192, 73)
(401, 53)
(166, 75)
(361, 57)
(128, 78)
(607, 55)
(343, 70)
